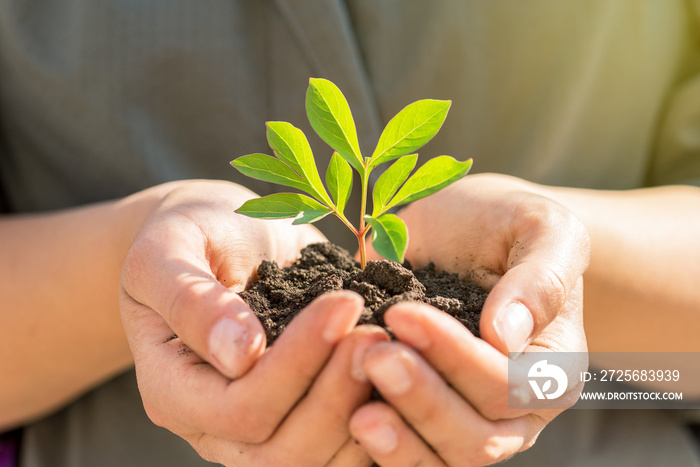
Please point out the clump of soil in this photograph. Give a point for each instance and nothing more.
(279, 294)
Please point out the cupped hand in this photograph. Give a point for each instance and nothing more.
(446, 391)
(199, 351)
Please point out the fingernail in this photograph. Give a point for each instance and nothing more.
(411, 332)
(380, 438)
(338, 325)
(390, 372)
(514, 326)
(230, 344)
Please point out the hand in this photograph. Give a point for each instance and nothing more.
(446, 391)
(200, 352)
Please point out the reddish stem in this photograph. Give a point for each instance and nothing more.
(363, 249)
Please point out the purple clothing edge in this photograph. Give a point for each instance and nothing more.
(8, 451)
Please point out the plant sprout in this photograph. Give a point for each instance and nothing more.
(293, 165)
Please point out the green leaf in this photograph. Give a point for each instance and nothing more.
(282, 206)
(432, 176)
(269, 169)
(291, 146)
(330, 116)
(339, 181)
(390, 181)
(410, 129)
(389, 236)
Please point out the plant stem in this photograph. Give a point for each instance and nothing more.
(364, 176)
(363, 251)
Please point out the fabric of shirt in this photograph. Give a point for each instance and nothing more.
(102, 98)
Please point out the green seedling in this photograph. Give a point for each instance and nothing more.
(293, 165)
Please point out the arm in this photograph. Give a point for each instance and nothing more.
(641, 289)
(59, 277)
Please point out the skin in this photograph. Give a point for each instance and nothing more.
(626, 279)
(181, 252)
(59, 298)
(525, 249)
(289, 405)
(645, 260)
(526, 260)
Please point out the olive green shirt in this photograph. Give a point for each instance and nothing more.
(102, 98)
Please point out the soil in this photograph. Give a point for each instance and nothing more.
(279, 294)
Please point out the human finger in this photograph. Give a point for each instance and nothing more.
(456, 354)
(548, 256)
(179, 390)
(315, 432)
(351, 454)
(322, 416)
(461, 358)
(190, 258)
(388, 440)
(286, 371)
(184, 394)
(391, 442)
(526, 249)
(171, 269)
(457, 433)
(166, 270)
(226, 452)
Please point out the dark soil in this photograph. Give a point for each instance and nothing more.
(279, 294)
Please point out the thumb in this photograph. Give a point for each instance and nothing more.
(216, 323)
(167, 272)
(546, 262)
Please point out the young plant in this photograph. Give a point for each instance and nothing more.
(293, 165)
